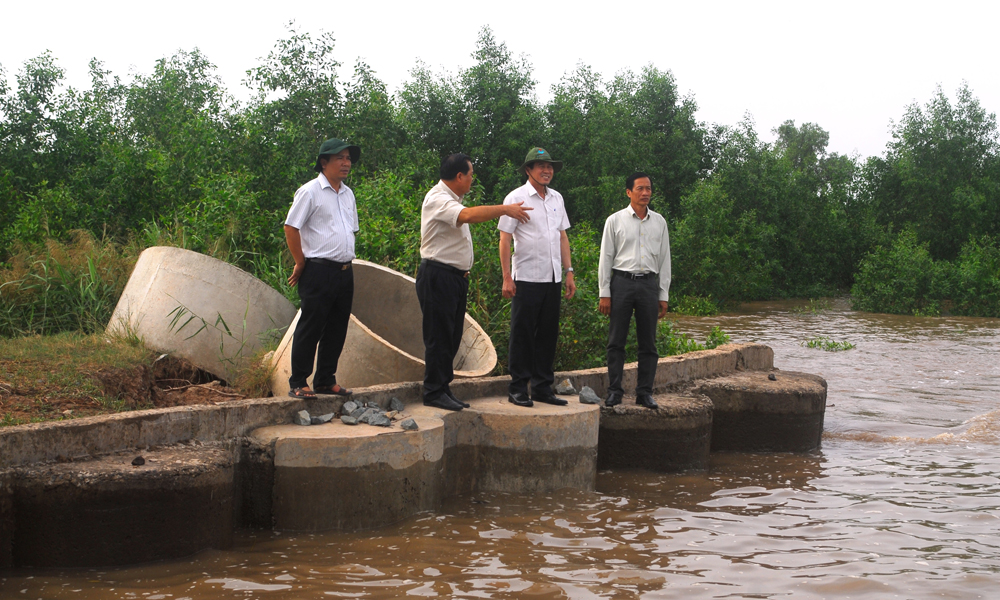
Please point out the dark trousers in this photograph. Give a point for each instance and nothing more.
(534, 331)
(442, 292)
(641, 296)
(327, 292)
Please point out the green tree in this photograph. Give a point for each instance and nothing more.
(718, 253)
(298, 103)
(941, 172)
(901, 278)
(606, 130)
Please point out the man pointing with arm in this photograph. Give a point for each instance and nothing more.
(443, 277)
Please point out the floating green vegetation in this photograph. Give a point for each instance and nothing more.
(827, 344)
(814, 306)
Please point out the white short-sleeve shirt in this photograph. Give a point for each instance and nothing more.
(442, 238)
(537, 243)
(326, 219)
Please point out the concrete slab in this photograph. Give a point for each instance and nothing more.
(166, 279)
(754, 413)
(496, 446)
(674, 370)
(385, 336)
(93, 436)
(350, 478)
(675, 437)
(109, 512)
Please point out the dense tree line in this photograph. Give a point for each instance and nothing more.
(171, 157)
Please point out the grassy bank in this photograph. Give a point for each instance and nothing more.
(71, 375)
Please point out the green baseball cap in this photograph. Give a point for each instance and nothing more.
(540, 155)
(335, 146)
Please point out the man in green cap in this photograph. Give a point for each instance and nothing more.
(320, 231)
(534, 284)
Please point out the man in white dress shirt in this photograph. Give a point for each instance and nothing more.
(320, 231)
(634, 276)
(443, 276)
(534, 284)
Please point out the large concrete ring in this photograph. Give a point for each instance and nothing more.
(385, 341)
(755, 414)
(173, 292)
(326, 477)
(675, 437)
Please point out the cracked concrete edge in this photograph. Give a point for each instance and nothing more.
(95, 436)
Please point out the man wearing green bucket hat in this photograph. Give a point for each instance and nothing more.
(320, 231)
(534, 283)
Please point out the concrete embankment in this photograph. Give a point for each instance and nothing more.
(210, 469)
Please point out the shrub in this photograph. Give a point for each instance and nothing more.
(901, 279)
(695, 306)
(718, 253)
(976, 279)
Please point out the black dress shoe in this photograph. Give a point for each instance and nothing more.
(443, 401)
(520, 400)
(456, 400)
(614, 399)
(647, 401)
(549, 398)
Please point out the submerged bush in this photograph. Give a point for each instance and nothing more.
(901, 279)
(976, 279)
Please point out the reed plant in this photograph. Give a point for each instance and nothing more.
(61, 286)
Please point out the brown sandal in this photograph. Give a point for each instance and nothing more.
(301, 392)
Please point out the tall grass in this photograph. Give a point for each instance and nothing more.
(63, 286)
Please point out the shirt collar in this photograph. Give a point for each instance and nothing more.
(454, 196)
(632, 212)
(325, 183)
(530, 189)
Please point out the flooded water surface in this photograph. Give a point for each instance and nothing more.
(902, 501)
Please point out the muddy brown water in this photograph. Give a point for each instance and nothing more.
(902, 501)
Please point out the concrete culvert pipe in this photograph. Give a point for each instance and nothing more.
(173, 292)
(385, 336)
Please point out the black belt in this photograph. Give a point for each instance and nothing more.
(628, 275)
(343, 266)
(440, 265)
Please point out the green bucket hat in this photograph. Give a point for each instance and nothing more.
(540, 155)
(335, 146)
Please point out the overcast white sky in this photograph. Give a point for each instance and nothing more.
(849, 66)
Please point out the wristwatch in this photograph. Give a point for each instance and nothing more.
(569, 269)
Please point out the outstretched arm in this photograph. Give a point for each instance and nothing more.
(479, 214)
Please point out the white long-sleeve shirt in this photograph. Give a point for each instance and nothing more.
(635, 245)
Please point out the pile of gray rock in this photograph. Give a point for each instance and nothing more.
(354, 412)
